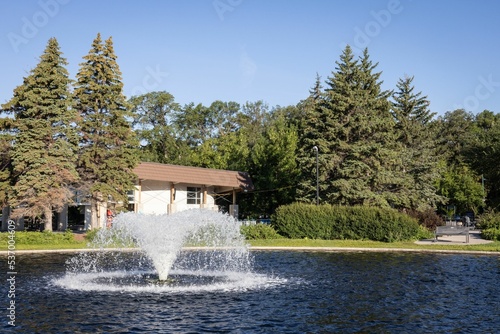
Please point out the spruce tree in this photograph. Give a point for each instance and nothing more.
(420, 166)
(44, 149)
(108, 147)
(310, 130)
(353, 129)
(6, 138)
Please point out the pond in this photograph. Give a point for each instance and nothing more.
(298, 292)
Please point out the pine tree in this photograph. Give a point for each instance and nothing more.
(108, 145)
(44, 149)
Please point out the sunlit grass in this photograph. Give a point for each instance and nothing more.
(492, 247)
(291, 243)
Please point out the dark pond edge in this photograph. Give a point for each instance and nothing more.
(259, 248)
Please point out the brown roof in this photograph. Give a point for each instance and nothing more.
(223, 179)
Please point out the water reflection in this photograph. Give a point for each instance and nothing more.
(356, 292)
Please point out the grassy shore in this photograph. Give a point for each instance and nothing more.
(490, 247)
(295, 243)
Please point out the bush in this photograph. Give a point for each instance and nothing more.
(491, 234)
(489, 220)
(489, 223)
(329, 222)
(428, 218)
(259, 231)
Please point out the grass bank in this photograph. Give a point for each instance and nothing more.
(53, 241)
(490, 247)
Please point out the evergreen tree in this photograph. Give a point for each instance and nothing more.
(108, 146)
(353, 130)
(419, 164)
(310, 129)
(43, 154)
(6, 138)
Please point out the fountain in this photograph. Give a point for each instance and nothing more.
(193, 249)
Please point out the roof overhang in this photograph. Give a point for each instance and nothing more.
(223, 181)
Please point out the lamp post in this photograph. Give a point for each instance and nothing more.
(315, 148)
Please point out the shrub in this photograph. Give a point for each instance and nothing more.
(259, 231)
(489, 220)
(428, 218)
(491, 234)
(329, 222)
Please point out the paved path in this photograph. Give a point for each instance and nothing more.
(474, 239)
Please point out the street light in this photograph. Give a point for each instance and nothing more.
(315, 148)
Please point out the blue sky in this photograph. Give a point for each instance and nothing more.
(249, 50)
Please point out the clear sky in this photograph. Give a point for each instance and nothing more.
(271, 50)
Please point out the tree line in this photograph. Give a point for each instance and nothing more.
(375, 147)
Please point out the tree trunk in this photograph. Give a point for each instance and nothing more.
(48, 220)
(94, 219)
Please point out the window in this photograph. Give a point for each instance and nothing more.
(193, 195)
(131, 196)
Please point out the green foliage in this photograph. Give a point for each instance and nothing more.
(154, 118)
(491, 234)
(40, 238)
(482, 152)
(328, 222)
(419, 168)
(463, 189)
(108, 145)
(259, 231)
(45, 144)
(351, 124)
(489, 223)
(427, 218)
(273, 166)
(490, 219)
(453, 131)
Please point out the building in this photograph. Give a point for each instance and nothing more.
(163, 188)
(160, 189)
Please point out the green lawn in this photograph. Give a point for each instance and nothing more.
(492, 247)
(52, 241)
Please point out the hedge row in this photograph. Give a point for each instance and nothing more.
(329, 222)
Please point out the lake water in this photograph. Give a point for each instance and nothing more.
(290, 292)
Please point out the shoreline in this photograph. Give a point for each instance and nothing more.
(268, 248)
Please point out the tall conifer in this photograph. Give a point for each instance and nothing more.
(420, 166)
(107, 143)
(44, 149)
(353, 129)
